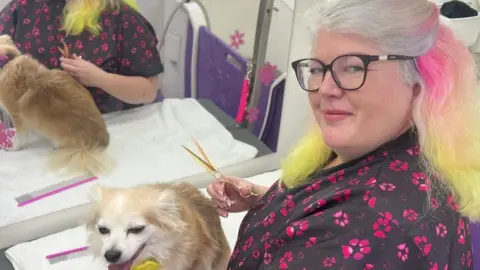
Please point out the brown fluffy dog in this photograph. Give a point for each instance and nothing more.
(174, 224)
(53, 104)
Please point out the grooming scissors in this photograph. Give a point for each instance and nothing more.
(212, 169)
(65, 51)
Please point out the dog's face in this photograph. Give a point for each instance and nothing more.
(128, 222)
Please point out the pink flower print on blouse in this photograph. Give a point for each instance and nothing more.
(356, 249)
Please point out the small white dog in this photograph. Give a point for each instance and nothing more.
(173, 224)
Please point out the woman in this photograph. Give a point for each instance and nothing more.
(113, 46)
(391, 175)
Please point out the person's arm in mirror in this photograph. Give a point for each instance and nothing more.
(136, 81)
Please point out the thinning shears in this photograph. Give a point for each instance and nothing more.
(244, 191)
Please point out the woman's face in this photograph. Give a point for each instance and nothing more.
(356, 122)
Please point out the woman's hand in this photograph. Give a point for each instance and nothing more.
(83, 71)
(223, 191)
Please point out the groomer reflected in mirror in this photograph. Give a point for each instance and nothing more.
(111, 47)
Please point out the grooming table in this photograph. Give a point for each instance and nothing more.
(238, 133)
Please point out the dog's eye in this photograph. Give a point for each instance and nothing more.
(136, 230)
(103, 230)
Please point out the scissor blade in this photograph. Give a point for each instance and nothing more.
(200, 160)
(202, 152)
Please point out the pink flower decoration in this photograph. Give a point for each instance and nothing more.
(6, 137)
(252, 114)
(237, 39)
(268, 73)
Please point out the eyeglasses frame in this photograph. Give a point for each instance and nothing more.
(365, 58)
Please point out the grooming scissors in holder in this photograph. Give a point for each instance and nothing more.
(205, 162)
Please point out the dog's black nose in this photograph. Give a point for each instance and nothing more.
(112, 255)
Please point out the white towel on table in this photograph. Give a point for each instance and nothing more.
(31, 255)
(146, 145)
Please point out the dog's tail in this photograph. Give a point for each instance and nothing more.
(93, 161)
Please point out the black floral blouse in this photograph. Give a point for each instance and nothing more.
(125, 46)
(369, 213)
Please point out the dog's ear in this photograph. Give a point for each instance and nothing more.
(165, 212)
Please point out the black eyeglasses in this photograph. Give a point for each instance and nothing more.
(348, 71)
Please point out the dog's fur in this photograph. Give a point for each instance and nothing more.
(53, 104)
(182, 229)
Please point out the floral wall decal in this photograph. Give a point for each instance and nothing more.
(237, 39)
(252, 114)
(268, 73)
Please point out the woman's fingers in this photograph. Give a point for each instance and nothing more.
(72, 70)
(216, 191)
(213, 192)
(222, 212)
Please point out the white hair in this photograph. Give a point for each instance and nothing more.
(393, 25)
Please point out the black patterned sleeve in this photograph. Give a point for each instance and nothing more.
(8, 18)
(349, 238)
(139, 55)
(8, 23)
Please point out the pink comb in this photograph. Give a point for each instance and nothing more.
(66, 252)
(55, 191)
(66, 255)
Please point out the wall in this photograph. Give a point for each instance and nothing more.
(296, 114)
(232, 18)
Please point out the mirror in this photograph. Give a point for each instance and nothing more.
(222, 83)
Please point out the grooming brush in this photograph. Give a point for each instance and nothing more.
(67, 255)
